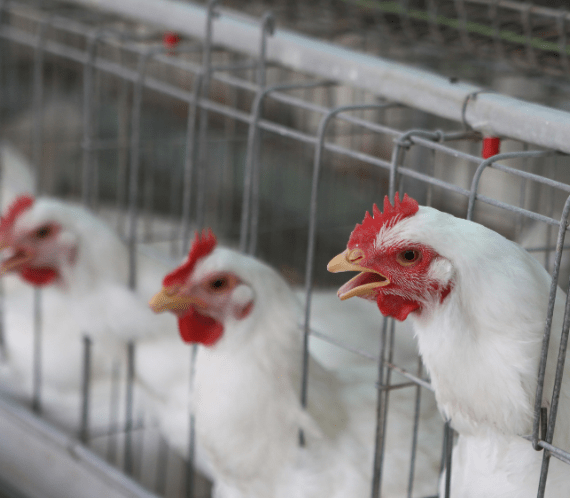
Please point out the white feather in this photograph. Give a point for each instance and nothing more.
(248, 414)
(481, 347)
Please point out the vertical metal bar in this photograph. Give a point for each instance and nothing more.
(432, 21)
(548, 325)
(190, 474)
(527, 27)
(386, 393)
(135, 164)
(37, 153)
(94, 161)
(267, 29)
(85, 391)
(549, 227)
(114, 412)
(148, 191)
(496, 23)
(128, 462)
(203, 127)
(37, 137)
(407, 28)
(251, 138)
(87, 144)
(430, 170)
(139, 455)
(312, 235)
(189, 164)
(522, 197)
(3, 351)
(161, 467)
(448, 438)
(555, 398)
(563, 40)
(249, 170)
(230, 156)
(380, 416)
(122, 152)
(462, 27)
(175, 183)
(2, 41)
(543, 474)
(37, 367)
(499, 157)
(401, 145)
(417, 406)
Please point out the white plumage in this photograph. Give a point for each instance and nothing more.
(247, 390)
(478, 302)
(82, 267)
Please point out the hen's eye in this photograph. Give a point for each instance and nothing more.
(409, 257)
(43, 232)
(218, 284)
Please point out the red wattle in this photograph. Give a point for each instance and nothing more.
(195, 327)
(38, 276)
(396, 306)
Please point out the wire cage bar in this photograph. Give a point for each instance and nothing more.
(235, 128)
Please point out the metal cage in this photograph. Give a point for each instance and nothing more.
(280, 142)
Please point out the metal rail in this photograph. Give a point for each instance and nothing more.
(428, 94)
(491, 114)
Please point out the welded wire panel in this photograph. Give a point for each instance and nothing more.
(527, 35)
(161, 140)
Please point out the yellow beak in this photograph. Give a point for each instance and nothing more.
(14, 262)
(341, 262)
(169, 298)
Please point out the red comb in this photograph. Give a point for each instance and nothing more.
(371, 225)
(202, 246)
(20, 204)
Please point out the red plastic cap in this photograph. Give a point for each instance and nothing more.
(491, 147)
(170, 40)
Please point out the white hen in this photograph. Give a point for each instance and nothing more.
(247, 384)
(479, 303)
(82, 265)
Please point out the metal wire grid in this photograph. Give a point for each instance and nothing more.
(531, 36)
(445, 172)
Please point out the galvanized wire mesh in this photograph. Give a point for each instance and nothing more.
(528, 36)
(160, 140)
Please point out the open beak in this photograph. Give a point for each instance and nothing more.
(171, 299)
(15, 261)
(363, 284)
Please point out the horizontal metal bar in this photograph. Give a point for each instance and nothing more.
(33, 452)
(515, 209)
(531, 176)
(344, 345)
(438, 146)
(414, 378)
(433, 181)
(556, 452)
(489, 113)
(393, 387)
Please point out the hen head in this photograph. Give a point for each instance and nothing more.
(39, 247)
(397, 269)
(205, 292)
